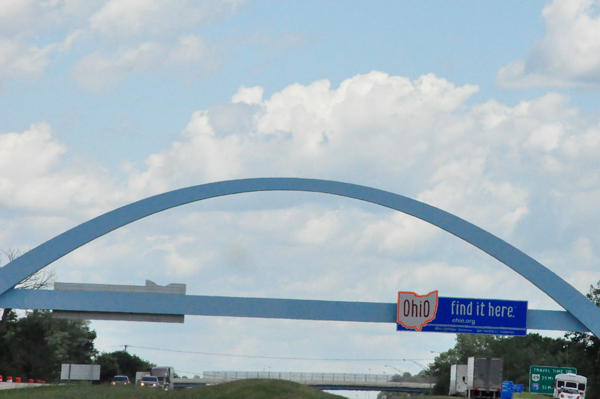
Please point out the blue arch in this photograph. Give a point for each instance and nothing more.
(555, 287)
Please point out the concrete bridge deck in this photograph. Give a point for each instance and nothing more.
(323, 381)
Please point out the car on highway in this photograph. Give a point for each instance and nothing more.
(569, 393)
(149, 381)
(120, 380)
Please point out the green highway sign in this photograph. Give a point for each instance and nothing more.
(541, 378)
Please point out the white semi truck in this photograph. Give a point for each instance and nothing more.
(484, 377)
(458, 380)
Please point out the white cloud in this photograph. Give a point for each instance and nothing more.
(29, 17)
(399, 235)
(150, 36)
(320, 229)
(359, 126)
(34, 175)
(98, 71)
(567, 55)
(124, 37)
(18, 59)
(15, 161)
(32, 32)
(248, 95)
(546, 137)
(371, 126)
(156, 17)
(131, 17)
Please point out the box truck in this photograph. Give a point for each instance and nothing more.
(458, 380)
(484, 377)
(165, 376)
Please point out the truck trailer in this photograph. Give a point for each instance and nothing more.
(484, 377)
(458, 380)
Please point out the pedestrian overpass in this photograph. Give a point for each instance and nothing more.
(322, 381)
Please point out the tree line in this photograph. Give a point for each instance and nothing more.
(34, 345)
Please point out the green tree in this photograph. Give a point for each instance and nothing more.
(36, 345)
(121, 363)
(39, 280)
(109, 367)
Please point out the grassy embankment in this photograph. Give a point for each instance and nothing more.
(244, 389)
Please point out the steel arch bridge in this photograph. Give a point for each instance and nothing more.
(580, 315)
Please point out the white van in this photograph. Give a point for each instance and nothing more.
(566, 384)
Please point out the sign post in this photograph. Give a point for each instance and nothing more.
(541, 378)
(431, 313)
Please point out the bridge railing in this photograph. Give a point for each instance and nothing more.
(296, 376)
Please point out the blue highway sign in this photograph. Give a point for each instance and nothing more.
(518, 388)
(464, 315)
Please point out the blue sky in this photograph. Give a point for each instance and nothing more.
(274, 45)
(487, 110)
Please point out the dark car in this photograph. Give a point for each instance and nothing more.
(149, 381)
(120, 380)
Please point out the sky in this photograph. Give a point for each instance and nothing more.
(488, 110)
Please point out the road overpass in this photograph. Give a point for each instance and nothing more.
(323, 381)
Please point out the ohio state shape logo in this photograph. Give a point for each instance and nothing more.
(415, 311)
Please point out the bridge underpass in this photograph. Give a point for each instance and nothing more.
(322, 381)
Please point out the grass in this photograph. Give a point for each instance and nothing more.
(243, 389)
